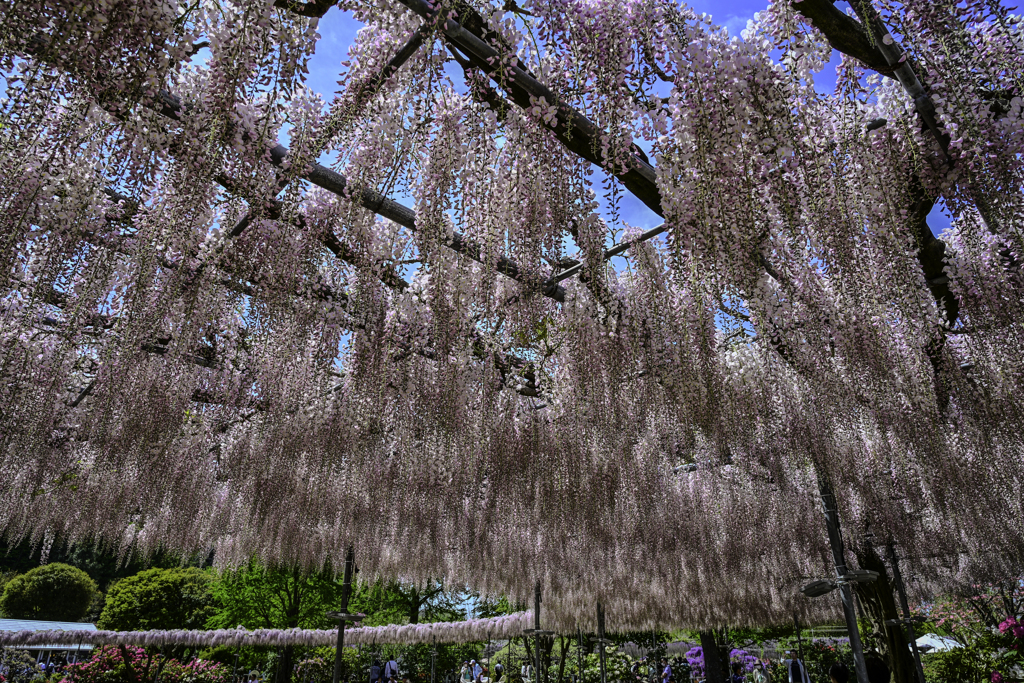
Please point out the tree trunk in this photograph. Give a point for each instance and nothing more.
(879, 605)
(561, 657)
(414, 605)
(284, 666)
(712, 657)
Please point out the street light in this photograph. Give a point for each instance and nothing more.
(342, 616)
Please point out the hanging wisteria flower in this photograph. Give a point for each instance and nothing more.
(212, 342)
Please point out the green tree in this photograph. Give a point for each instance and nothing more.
(182, 597)
(495, 607)
(392, 602)
(55, 591)
(255, 596)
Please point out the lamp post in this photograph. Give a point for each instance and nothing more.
(579, 647)
(537, 632)
(601, 643)
(342, 616)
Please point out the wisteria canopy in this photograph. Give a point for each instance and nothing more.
(447, 347)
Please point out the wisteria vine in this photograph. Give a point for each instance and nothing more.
(508, 626)
(211, 341)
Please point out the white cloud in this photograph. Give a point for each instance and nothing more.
(735, 24)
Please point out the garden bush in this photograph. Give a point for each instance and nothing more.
(109, 665)
(57, 592)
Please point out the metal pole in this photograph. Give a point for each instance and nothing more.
(799, 640)
(905, 606)
(600, 642)
(163, 656)
(536, 626)
(579, 646)
(433, 661)
(346, 593)
(835, 539)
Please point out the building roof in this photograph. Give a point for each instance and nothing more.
(35, 625)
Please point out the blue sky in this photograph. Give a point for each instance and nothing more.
(338, 29)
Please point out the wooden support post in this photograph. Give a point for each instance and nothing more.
(901, 590)
(835, 539)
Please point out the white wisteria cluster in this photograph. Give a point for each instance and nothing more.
(508, 626)
(209, 341)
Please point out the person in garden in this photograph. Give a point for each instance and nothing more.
(375, 671)
(526, 671)
(877, 669)
(737, 673)
(838, 673)
(498, 671)
(391, 670)
(466, 673)
(796, 672)
(682, 666)
(478, 671)
(666, 671)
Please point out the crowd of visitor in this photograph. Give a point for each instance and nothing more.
(388, 673)
(791, 669)
(52, 667)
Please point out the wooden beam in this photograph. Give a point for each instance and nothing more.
(366, 91)
(581, 136)
(614, 251)
(844, 33)
(313, 9)
(574, 130)
(170, 106)
(335, 183)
